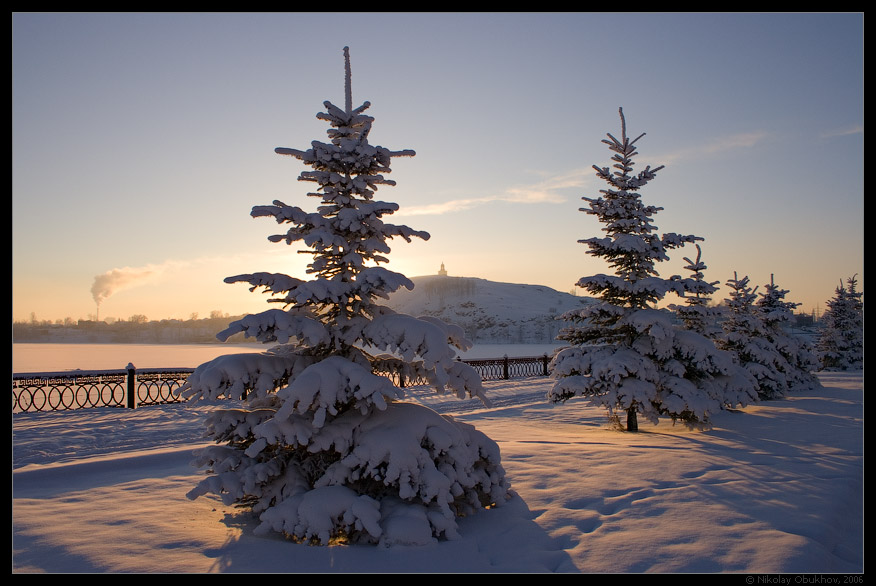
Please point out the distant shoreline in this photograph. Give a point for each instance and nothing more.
(30, 357)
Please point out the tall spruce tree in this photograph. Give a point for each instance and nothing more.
(840, 344)
(627, 356)
(323, 447)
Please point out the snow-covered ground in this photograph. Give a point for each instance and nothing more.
(774, 488)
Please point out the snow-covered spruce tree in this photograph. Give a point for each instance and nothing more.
(747, 336)
(697, 315)
(831, 341)
(628, 356)
(322, 448)
(800, 358)
(840, 344)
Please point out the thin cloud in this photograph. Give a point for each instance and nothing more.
(742, 140)
(736, 141)
(546, 191)
(844, 131)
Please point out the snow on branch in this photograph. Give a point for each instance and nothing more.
(237, 375)
(276, 325)
(323, 387)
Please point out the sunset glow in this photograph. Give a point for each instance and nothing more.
(142, 141)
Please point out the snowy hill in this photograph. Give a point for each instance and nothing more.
(489, 312)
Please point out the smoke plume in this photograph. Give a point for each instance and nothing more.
(117, 279)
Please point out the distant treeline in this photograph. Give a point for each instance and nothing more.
(135, 330)
(138, 329)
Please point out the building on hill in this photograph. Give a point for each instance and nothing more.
(442, 272)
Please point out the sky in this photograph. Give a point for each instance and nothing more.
(141, 141)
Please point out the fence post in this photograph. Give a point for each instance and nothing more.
(505, 367)
(545, 360)
(132, 386)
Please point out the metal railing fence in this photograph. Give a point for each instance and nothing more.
(130, 387)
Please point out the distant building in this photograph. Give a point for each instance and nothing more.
(442, 272)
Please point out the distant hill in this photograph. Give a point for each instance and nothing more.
(489, 312)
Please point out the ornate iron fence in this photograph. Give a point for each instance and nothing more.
(130, 388)
(505, 368)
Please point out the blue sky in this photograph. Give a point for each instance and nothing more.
(142, 141)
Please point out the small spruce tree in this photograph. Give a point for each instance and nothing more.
(747, 336)
(840, 344)
(323, 448)
(697, 315)
(800, 360)
(626, 355)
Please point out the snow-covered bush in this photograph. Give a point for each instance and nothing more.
(320, 444)
(840, 344)
(628, 356)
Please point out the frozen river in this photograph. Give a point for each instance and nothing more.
(57, 357)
